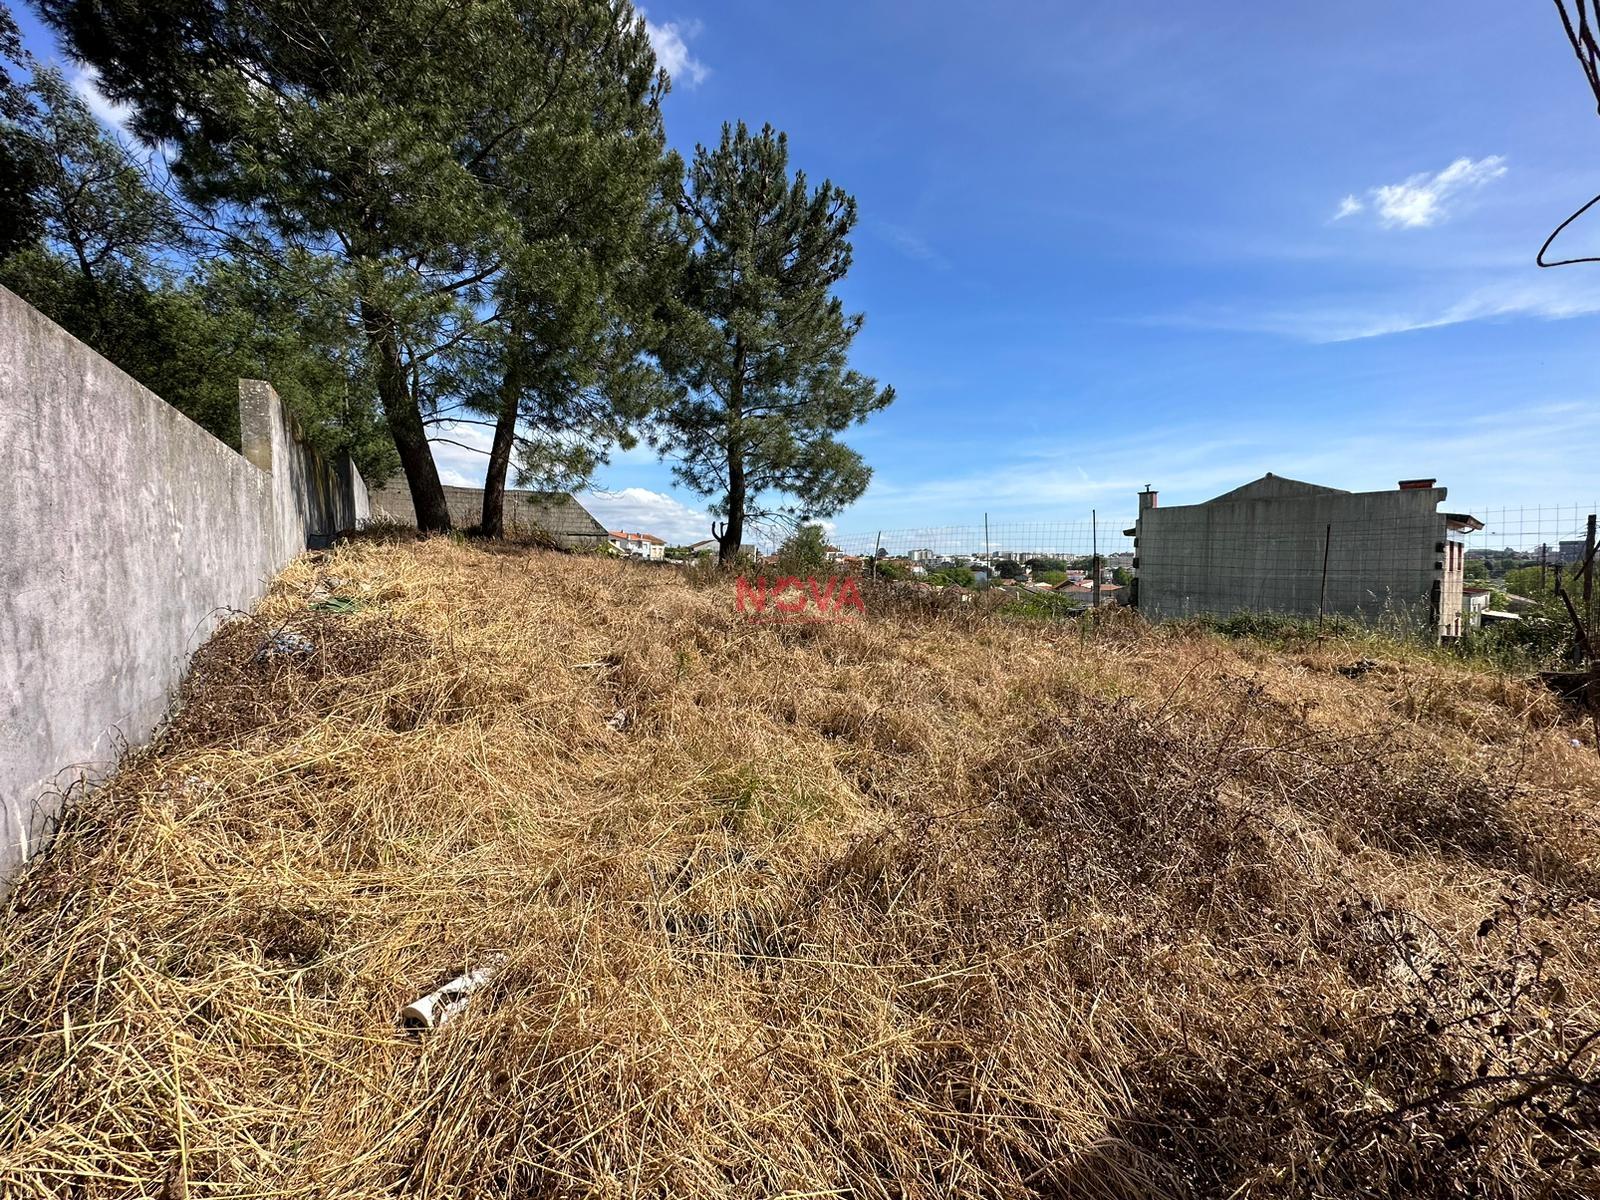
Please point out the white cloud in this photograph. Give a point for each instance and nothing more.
(1423, 199)
(464, 458)
(86, 82)
(1489, 458)
(670, 40)
(1544, 297)
(640, 509)
(1348, 207)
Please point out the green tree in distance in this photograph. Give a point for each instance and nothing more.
(1532, 582)
(804, 552)
(757, 342)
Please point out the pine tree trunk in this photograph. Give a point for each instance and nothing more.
(405, 424)
(732, 536)
(494, 483)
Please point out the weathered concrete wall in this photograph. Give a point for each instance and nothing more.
(314, 500)
(555, 513)
(127, 533)
(1261, 549)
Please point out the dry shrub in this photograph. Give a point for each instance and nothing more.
(930, 904)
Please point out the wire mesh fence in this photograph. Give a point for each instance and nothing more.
(980, 543)
(1413, 569)
(1552, 532)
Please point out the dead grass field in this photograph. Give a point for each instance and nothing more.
(927, 905)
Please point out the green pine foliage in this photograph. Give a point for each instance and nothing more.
(410, 144)
(407, 214)
(757, 342)
(804, 552)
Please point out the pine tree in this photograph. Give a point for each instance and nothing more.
(375, 135)
(757, 342)
(559, 369)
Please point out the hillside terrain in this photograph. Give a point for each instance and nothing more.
(926, 903)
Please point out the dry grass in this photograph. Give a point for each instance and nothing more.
(927, 905)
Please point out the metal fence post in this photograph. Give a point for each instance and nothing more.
(1094, 558)
(1588, 572)
(1322, 599)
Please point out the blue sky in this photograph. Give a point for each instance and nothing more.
(1102, 245)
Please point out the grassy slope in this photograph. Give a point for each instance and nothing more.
(925, 905)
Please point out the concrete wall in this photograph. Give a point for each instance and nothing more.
(314, 499)
(127, 533)
(554, 513)
(1260, 548)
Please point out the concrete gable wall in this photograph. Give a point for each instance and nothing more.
(127, 534)
(1272, 487)
(1265, 554)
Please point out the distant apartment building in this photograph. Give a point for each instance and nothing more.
(639, 545)
(1573, 551)
(1283, 546)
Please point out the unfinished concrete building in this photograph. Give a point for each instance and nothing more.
(1281, 546)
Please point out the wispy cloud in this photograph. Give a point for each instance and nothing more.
(1348, 207)
(1543, 297)
(1189, 464)
(670, 40)
(1424, 199)
(912, 245)
(461, 453)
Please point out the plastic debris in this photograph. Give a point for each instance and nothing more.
(1358, 668)
(440, 1005)
(618, 720)
(286, 643)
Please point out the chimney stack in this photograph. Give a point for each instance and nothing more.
(1147, 498)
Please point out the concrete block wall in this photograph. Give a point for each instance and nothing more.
(557, 514)
(127, 534)
(1262, 551)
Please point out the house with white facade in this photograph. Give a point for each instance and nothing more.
(639, 545)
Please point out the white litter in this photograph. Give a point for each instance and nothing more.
(440, 1005)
